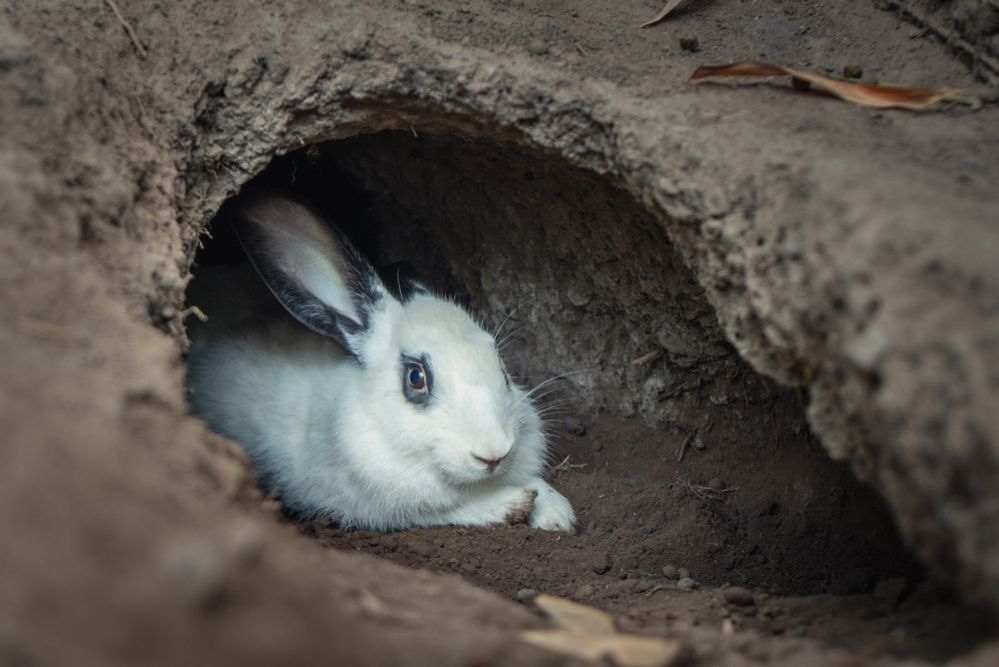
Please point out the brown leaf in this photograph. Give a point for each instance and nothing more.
(576, 617)
(621, 649)
(881, 96)
(661, 16)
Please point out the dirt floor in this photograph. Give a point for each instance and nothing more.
(643, 521)
(846, 253)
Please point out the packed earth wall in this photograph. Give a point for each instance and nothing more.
(846, 254)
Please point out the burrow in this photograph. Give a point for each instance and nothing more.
(671, 447)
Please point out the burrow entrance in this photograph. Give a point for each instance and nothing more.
(671, 448)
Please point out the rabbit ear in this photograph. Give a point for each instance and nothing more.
(310, 267)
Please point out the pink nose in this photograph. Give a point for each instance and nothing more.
(491, 464)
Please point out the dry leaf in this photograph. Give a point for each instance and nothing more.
(624, 650)
(576, 617)
(661, 16)
(872, 95)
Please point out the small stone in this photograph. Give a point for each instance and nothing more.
(683, 573)
(853, 72)
(526, 595)
(716, 484)
(737, 595)
(670, 572)
(602, 565)
(583, 592)
(690, 43)
(687, 584)
(537, 47)
(574, 426)
(698, 444)
(643, 585)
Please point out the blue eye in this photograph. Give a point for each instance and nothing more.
(416, 377)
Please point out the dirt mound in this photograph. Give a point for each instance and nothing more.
(845, 253)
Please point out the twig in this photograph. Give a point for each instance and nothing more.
(706, 493)
(193, 310)
(646, 358)
(127, 26)
(654, 589)
(683, 446)
(565, 465)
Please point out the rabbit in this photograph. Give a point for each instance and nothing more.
(386, 413)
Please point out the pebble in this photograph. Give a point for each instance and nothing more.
(670, 572)
(853, 72)
(687, 584)
(526, 594)
(583, 592)
(643, 585)
(690, 43)
(537, 47)
(602, 565)
(737, 595)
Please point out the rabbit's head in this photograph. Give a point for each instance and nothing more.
(428, 377)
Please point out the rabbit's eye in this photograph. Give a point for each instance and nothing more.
(417, 379)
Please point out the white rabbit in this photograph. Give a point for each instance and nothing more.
(399, 414)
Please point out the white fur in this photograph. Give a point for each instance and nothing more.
(336, 435)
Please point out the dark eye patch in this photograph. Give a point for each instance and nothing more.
(417, 379)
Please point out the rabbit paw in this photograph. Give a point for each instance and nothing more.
(522, 512)
(551, 509)
(509, 504)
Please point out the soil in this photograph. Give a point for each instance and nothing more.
(843, 259)
(639, 513)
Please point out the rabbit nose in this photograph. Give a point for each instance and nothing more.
(491, 464)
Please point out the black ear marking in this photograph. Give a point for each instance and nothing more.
(312, 269)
